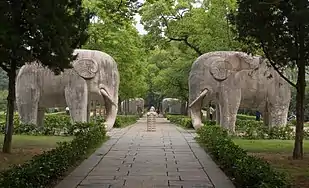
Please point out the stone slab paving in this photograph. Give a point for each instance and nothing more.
(135, 158)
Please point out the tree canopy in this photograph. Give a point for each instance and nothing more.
(119, 38)
(179, 32)
(43, 31)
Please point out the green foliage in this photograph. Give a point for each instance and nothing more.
(243, 169)
(49, 32)
(251, 129)
(245, 117)
(60, 124)
(116, 35)
(178, 33)
(43, 169)
(4, 81)
(246, 128)
(276, 27)
(125, 120)
(183, 121)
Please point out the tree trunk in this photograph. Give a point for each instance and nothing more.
(298, 152)
(10, 110)
(298, 145)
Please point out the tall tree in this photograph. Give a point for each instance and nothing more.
(43, 31)
(281, 30)
(119, 38)
(184, 30)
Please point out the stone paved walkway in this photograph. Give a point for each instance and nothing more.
(134, 158)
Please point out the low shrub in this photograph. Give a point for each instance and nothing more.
(43, 169)
(58, 124)
(183, 121)
(125, 120)
(251, 129)
(244, 170)
(247, 129)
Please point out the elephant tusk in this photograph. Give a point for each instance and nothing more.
(105, 93)
(198, 98)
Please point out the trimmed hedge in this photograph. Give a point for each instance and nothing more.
(244, 170)
(43, 169)
(60, 124)
(246, 128)
(183, 121)
(125, 120)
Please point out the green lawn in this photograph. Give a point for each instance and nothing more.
(278, 153)
(272, 146)
(24, 147)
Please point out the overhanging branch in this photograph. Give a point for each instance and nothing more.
(185, 40)
(274, 65)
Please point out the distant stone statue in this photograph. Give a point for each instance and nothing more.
(151, 119)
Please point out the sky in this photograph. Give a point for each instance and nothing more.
(139, 26)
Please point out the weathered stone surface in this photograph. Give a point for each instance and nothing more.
(142, 159)
(94, 76)
(231, 80)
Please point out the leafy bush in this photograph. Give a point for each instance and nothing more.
(250, 129)
(60, 124)
(181, 120)
(47, 167)
(244, 170)
(125, 120)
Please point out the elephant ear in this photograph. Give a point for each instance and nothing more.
(220, 69)
(86, 68)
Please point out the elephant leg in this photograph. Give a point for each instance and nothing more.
(27, 105)
(229, 104)
(77, 101)
(111, 114)
(196, 115)
(88, 111)
(40, 117)
(278, 116)
(217, 114)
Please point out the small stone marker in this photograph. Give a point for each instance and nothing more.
(151, 120)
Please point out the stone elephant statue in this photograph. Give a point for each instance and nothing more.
(171, 105)
(231, 80)
(133, 106)
(94, 76)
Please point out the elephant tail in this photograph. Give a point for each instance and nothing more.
(202, 95)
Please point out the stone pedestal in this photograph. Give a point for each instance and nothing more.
(151, 121)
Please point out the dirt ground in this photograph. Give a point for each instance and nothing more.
(25, 147)
(298, 170)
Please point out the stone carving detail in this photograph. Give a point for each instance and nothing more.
(86, 68)
(231, 80)
(94, 76)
